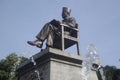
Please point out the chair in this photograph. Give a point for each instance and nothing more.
(69, 37)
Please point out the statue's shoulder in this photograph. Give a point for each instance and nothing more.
(71, 18)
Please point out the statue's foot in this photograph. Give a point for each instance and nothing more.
(35, 43)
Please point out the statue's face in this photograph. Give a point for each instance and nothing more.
(65, 13)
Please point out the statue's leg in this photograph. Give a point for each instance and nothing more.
(42, 35)
(50, 39)
(47, 32)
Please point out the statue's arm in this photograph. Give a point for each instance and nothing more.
(70, 22)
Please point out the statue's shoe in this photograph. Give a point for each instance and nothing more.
(35, 43)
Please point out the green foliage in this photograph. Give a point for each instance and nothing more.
(7, 66)
(111, 73)
(3, 75)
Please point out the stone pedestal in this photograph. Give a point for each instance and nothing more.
(53, 64)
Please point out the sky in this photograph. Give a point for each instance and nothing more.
(99, 21)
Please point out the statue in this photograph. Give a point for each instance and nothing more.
(51, 29)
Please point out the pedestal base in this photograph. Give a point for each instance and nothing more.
(54, 64)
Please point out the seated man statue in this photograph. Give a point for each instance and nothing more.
(52, 29)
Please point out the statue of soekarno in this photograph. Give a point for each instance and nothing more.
(52, 29)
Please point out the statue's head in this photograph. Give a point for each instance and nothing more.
(66, 12)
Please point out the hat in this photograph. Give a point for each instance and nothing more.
(66, 9)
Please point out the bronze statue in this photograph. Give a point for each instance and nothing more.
(52, 29)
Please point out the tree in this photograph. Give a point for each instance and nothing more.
(116, 75)
(111, 73)
(8, 65)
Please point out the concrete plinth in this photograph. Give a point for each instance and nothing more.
(54, 64)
